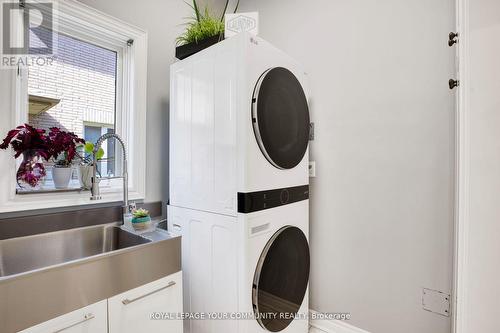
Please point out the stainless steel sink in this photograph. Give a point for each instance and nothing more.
(23, 254)
(58, 272)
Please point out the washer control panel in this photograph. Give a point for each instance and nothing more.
(256, 201)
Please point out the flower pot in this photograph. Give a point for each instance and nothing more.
(184, 51)
(61, 176)
(141, 222)
(85, 176)
(31, 170)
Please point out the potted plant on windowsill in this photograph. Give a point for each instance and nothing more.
(62, 172)
(36, 146)
(86, 166)
(63, 150)
(33, 144)
(203, 30)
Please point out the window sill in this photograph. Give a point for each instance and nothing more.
(49, 190)
(48, 187)
(37, 201)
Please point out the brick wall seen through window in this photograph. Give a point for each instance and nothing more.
(82, 83)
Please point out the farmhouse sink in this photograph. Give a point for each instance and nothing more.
(23, 254)
(58, 272)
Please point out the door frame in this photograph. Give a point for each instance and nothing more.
(462, 173)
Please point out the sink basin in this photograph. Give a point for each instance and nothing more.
(23, 254)
(59, 272)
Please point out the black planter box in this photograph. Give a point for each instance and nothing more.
(184, 51)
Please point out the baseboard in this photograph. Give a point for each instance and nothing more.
(334, 326)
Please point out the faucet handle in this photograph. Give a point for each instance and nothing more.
(94, 189)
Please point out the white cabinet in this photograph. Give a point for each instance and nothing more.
(147, 308)
(90, 319)
(143, 309)
(210, 264)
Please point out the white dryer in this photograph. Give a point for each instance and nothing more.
(239, 186)
(239, 124)
(250, 273)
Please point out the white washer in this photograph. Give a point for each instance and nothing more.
(254, 265)
(239, 186)
(239, 123)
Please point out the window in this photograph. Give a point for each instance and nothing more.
(95, 85)
(81, 81)
(107, 166)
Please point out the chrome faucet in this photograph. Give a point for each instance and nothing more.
(128, 207)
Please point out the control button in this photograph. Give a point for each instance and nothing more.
(285, 196)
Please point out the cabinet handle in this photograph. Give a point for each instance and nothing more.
(128, 301)
(87, 317)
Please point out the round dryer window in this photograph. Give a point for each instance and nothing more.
(281, 278)
(280, 117)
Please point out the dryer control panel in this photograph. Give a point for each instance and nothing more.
(256, 201)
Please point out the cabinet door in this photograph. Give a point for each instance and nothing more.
(90, 319)
(210, 266)
(145, 309)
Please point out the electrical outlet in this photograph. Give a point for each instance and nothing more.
(312, 169)
(311, 131)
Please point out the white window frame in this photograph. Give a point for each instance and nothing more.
(81, 21)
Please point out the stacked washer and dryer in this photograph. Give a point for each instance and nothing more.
(239, 187)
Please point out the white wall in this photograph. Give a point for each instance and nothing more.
(382, 202)
(163, 21)
(481, 84)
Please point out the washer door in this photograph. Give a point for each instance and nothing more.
(281, 278)
(280, 118)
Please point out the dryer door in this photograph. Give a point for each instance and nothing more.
(281, 278)
(280, 118)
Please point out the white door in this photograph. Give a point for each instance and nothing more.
(90, 319)
(148, 308)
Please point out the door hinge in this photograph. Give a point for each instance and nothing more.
(453, 83)
(452, 38)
